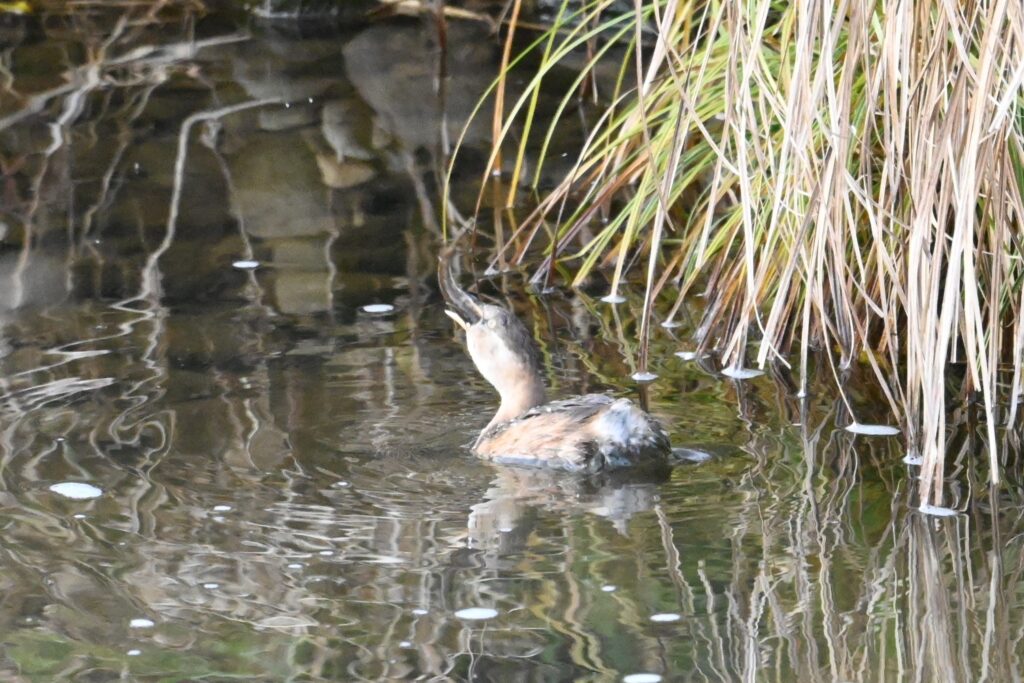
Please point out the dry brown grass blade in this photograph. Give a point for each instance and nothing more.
(843, 176)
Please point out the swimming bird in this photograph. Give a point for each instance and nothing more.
(591, 433)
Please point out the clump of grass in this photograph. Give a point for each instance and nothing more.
(836, 176)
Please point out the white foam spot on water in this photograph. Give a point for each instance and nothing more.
(609, 588)
(742, 373)
(686, 355)
(613, 298)
(211, 586)
(341, 484)
(79, 516)
(222, 508)
(419, 612)
(873, 430)
(378, 309)
(245, 264)
(76, 490)
(405, 644)
(665, 617)
(476, 613)
(285, 622)
(641, 678)
(644, 376)
(938, 511)
(133, 653)
(141, 622)
(326, 553)
(911, 459)
(296, 565)
(690, 454)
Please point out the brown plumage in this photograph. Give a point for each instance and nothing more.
(584, 434)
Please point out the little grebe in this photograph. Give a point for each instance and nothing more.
(590, 433)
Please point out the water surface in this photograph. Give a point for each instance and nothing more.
(217, 463)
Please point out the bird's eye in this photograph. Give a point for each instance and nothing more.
(492, 323)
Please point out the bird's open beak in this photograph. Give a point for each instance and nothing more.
(457, 318)
(463, 308)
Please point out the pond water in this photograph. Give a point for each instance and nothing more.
(234, 419)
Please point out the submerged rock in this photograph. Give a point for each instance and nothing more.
(340, 175)
(348, 128)
(278, 189)
(394, 69)
(285, 117)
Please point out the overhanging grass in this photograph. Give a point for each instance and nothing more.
(839, 176)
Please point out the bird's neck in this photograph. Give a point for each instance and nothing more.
(517, 398)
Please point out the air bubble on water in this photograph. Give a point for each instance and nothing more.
(76, 490)
(665, 617)
(476, 613)
(873, 430)
(938, 511)
(742, 373)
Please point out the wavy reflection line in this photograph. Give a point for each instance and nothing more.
(21, 401)
(150, 289)
(150, 286)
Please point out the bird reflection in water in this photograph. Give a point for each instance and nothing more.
(507, 515)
